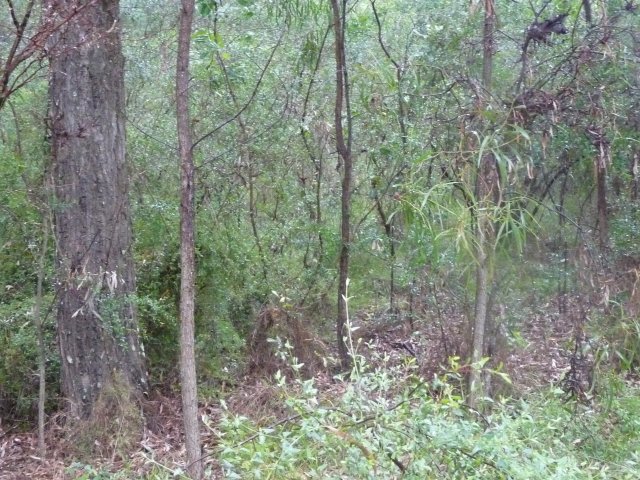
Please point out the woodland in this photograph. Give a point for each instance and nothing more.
(319, 239)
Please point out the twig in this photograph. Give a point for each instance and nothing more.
(254, 436)
(248, 103)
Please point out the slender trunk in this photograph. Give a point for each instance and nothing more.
(603, 157)
(486, 184)
(389, 226)
(318, 205)
(254, 224)
(316, 156)
(484, 259)
(488, 45)
(634, 169)
(588, 17)
(188, 381)
(563, 287)
(389, 232)
(344, 150)
(247, 160)
(601, 189)
(38, 320)
(402, 106)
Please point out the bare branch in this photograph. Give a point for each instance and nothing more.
(34, 46)
(248, 103)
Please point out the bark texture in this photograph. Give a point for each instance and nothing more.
(344, 150)
(97, 329)
(188, 383)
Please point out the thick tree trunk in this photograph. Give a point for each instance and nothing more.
(344, 150)
(188, 379)
(97, 329)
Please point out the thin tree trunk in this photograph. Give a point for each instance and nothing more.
(253, 213)
(389, 226)
(586, 5)
(601, 192)
(97, 328)
(188, 380)
(563, 287)
(247, 160)
(603, 158)
(634, 170)
(318, 205)
(402, 107)
(488, 44)
(484, 259)
(486, 184)
(315, 157)
(389, 232)
(344, 150)
(38, 321)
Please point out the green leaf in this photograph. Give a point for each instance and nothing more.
(205, 7)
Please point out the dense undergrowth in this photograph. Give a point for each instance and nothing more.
(389, 424)
(393, 416)
(565, 303)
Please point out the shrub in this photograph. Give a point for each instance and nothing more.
(389, 423)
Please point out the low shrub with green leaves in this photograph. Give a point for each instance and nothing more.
(19, 361)
(390, 423)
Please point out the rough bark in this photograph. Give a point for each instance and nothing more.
(188, 381)
(488, 44)
(344, 150)
(97, 329)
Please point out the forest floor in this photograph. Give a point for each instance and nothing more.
(542, 356)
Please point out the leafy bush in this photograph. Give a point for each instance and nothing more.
(389, 423)
(18, 361)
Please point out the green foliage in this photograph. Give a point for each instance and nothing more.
(389, 421)
(269, 210)
(625, 229)
(18, 361)
(159, 330)
(82, 471)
